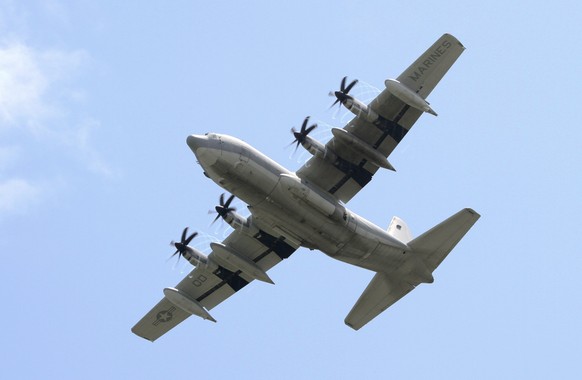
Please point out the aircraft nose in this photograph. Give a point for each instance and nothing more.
(195, 141)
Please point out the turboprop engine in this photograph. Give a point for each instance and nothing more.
(309, 143)
(228, 214)
(352, 104)
(399, 90)
(360, 109)
(194, 256)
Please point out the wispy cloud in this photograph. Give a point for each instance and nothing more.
(39, 108)
(31, 84)
(80, 141)
(17, 195)
(22, 86)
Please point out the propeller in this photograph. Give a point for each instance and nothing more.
(342, 94)
(183, 243)
(300, 136)
(224, 207)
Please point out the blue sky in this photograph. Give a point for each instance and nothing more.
(97, 98)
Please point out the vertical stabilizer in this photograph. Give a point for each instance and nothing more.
(399, 230)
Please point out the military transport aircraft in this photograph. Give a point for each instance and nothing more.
(307, 208)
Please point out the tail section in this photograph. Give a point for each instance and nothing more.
(399, 230)
(428, 251)
(381, 293)
(435, 244)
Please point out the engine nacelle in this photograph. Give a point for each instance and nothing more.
(360, 109)
(197, 258)
(235, 220)
(313, 146)
(318, 149)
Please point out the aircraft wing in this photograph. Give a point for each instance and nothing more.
(351, 171)
(209, 288)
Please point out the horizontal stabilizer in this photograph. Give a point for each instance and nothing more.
(381, 293)
(428, 251)
(435, 244)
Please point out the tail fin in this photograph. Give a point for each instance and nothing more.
(435, 244)
(430, 248)
(399, 230)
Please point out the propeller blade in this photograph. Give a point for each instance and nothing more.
(308, 131)
(223, 207)
(187, 241)
(182, 244)
(342, 94)
(294, 133)
(304, 131)
(304, 125)
(350, 86)
(228, 201)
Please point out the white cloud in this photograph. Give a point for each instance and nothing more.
(81, 141)
(41, 108)
(28, 79)
(16, 195)
(21, 85)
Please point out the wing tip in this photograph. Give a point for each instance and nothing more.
(350, 325)
(472, 212)
(133, 330)
(449, 35)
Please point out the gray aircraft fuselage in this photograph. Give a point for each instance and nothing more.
(302, 213)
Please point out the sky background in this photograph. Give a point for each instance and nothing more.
(96, 101)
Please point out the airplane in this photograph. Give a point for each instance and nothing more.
(307, 208)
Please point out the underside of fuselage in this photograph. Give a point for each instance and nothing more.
(318, 222)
